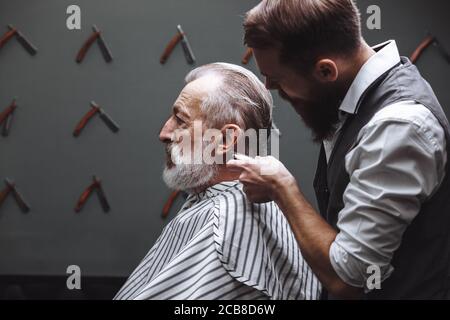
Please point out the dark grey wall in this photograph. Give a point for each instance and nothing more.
(52, 168)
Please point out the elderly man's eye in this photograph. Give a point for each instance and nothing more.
(179, 120)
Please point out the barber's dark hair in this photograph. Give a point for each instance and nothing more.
(303, 30)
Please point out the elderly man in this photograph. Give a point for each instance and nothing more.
(220, 246)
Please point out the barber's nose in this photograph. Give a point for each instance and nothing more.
(165, 135)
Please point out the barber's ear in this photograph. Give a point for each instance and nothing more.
(231, 133)
(326, 70)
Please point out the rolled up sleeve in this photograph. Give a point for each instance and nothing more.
(396, 165)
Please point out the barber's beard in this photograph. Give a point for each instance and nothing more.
(179, 175)
(322, 115)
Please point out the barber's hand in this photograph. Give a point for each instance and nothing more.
(263, 177)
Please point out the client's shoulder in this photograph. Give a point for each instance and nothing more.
(234, 198)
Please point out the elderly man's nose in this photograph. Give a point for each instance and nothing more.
(165, 135)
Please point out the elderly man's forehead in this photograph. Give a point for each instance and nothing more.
(194, 92)
(187, 103)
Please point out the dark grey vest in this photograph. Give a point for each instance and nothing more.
(422, 263)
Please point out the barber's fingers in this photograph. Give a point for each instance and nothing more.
(249, 160)
(258, 160)
(240, 162)
(255, 193)
(248, 187)
(243, 157)
(237, 166)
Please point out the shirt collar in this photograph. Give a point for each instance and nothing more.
(385, 58)
(214, 190)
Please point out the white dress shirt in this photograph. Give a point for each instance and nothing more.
(397, 163)
(220, 246)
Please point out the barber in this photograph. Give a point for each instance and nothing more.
(382, 182)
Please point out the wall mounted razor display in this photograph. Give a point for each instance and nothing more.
(11, 188)
(13, 32)
(169, 203)
(96, 185)
(6, 118)
(179, 37)
(96, 109)
(95, 36)
(428, 41)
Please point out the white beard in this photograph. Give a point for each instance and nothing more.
(187, 177)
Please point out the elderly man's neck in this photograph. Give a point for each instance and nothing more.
(223, 174)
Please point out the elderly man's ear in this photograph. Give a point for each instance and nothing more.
(231, 134)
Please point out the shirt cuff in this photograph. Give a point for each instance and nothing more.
(353, 271)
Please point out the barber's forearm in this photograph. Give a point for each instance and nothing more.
(315, 237)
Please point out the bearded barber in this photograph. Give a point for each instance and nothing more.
(382, 181)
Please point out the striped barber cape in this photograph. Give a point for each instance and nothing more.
(220, 246)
